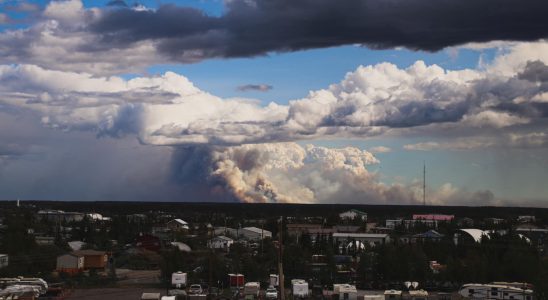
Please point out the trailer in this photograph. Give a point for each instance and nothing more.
(373, 297)
(495, 292)
(418, 295)
(236, 280)
(345, 291)
(178, 280)
(252, 290)
(392, 294)
(274, 280)
(299, 289)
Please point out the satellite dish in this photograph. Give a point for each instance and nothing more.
(414, 284)
(407, 284)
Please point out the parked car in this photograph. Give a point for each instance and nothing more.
(271, 293)
(195, 289)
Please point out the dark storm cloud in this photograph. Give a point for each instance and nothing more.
(254, 87)
(535, 71)
(250, 28)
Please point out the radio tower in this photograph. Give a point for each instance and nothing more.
(424, 183)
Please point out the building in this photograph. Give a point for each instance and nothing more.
(430, 236)
(71, 263)
(493, 221)
(392, 224)
(465, 222)
(371, 239)
(353, 214)
(299, 229)
(220, 242)
(346, 228)
(93, 259)
(526, 219)
(60, 216)
(4, 260)
(148, 242)
(254, 233)
(226, 231)
(177, 225)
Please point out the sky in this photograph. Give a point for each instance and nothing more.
(293, 101)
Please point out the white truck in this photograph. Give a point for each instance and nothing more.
(299, 289)
(178, 279)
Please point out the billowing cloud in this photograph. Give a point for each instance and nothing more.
(116, 38)
(290, 173)
(169, 110)
(254, 87)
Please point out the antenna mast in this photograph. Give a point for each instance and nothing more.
(424, 183)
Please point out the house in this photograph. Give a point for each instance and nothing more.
(4, 260)
(226, 231)
(71, 263)
(392, 224)
(93, 259)
(526, 219)
(434, 217)
(177, 225)
(148, 242)
(353, 214)
(366, 238)
(254, 233)
(220, 242)
(465, 222)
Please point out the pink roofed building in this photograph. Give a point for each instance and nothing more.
(446, 218)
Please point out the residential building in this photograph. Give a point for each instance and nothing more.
(220, 242)
(392, 224)
(254, 233)
(366, 238)
(298, 229)
(353, 214)
(526, 219)
(346, 228)
(60, 216)
(493, 221)
(177, 225)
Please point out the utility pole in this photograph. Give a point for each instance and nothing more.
(280, 260)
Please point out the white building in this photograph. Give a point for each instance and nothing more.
(366, 238)
(220, 242)
(177, 225)
(353, 214)
(254, 233)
